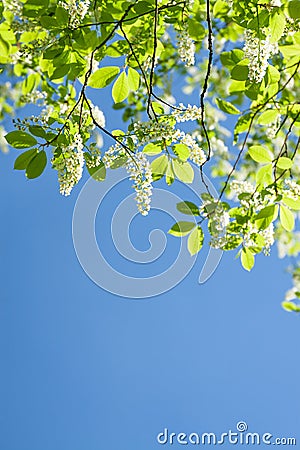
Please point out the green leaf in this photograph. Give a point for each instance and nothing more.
(267, 117)
(291, 203)
(170, 176)
(247, 259)
(284, 163)
(260, 154)
(240, 71)
(273, 74)
(290, 306)
(230, 59)
(38, 131)
(294, 9)
(181, 228)
(287, 219)
(195, 241)
(277, 25)
(37, 165)
(60, 72)
(159, 167)
(188, 208)
(133, 79)
(20, 139)
(152, 149)
(62, 16)
(220, 8)
(120, 88)
(182, 151)
(266, 216)
(24, 159)
(103, 77)
(183, 171)
(227, 107)
(264, 175)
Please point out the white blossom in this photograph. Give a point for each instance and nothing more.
(186, 46)
(76, 9)
(186, 113)
(98, 116)
(258, 52)
(69, 165)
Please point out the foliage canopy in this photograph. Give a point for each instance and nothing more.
(240, 59)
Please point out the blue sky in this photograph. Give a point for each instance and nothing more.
(83, 369)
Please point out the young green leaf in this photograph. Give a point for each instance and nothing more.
(195, 240)
(170, 176)
(120, 88)
(181, 228)
(182, 151)
(188, 208)
(133, 79)
(266, 216)
(291, 203)
(183, 171)
(227, 107)
(152, 149)
(247, 259)
(277, 26)
(260, 154)
(20, 139)
(287, 219)
(264, 175)
(159, 167)
(284, 163)
(103, 77)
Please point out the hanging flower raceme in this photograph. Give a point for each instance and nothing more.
(69, 165)
(186, 46)
(258, 52)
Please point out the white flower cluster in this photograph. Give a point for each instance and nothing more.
(219, 148)
(70, 165)
(186, 46)
(152, 130)
(241, 187)
(46, 113)
(140, 173)
(23, 56)
(186, 113)
(3, 141)
(76, 9)
(219, 219)
(98, 116)
(273, 127)
(293, 189)
(275, 3)
(14, 6)
(34, 97)
(258, 52)
(114, 152)
(139, 170)
(268, 235)
(95, 157)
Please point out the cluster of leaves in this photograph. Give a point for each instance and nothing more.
(56, 54)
